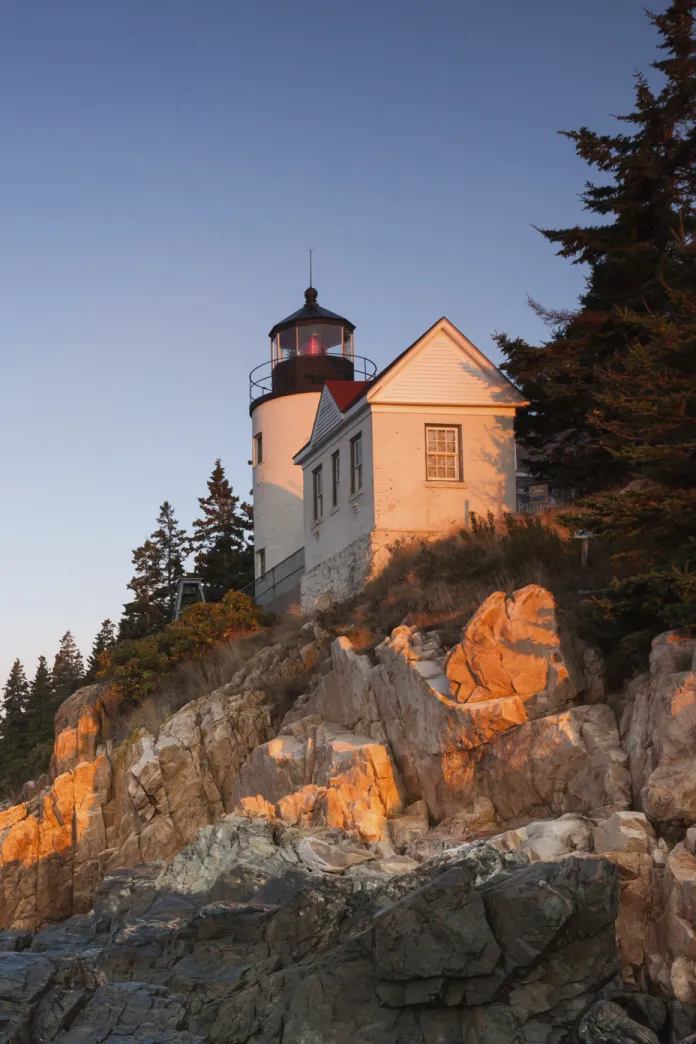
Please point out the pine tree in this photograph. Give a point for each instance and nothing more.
(41, 706)
(105, 639)
(646, 417)
(173, 544)
(145, 613)
(68, 668)
(224, 556)
(649, 196)
(15, 694)
(159, 563)
(14, 730)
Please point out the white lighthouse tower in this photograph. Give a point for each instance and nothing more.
(308, 348)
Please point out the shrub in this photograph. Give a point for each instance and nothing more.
(441, 584)
(136, 668)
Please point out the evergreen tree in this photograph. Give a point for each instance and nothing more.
(105, 639)
(646, 417)
(145, 613)
(68, 669)
(649, 196)
(41, 706)
(224, 556)
(14, 731)
(173, 544)
(159, 563)
(15, 695)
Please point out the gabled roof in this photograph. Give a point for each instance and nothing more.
(441, 368)
(336, 398)
(473, 380)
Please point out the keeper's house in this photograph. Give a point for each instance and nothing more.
(363, 459)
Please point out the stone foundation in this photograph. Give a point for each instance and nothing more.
(344, 574)
(338, 577)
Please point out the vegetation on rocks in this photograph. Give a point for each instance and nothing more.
(441, 584)
(136, 668)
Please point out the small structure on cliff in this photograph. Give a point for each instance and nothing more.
(348, 461)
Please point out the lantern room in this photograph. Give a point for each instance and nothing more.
(310, 347)
(312, 330)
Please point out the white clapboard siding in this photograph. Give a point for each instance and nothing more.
(328, 417)
(442, 370)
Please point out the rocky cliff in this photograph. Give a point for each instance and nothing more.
(434, 844)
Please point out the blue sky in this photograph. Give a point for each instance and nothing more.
(165, 166)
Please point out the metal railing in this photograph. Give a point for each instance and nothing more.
(280, 579)
(555, 499)
(261, 377)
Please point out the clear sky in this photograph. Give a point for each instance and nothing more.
(164, 166)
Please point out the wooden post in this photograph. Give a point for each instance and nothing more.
(585, 536)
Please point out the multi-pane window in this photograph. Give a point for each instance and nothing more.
(356, 463)
(261, 562)
(318, 493)
(443, 453)
(258, 449)
(335, 477)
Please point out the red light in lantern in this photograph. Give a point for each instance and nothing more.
(313, 346)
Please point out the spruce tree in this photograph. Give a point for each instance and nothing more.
(68, 669)
(15, 695)
(41, 707)
(14, 730)
(646, 418)
(649, 195)
(145, 613)
(105, 639)
(223, 554)
(172, 542)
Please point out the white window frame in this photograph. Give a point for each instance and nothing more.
(356, 463)
(318, 493)
(257, 455)
(443, 453)
(335, 477)
(261, 562)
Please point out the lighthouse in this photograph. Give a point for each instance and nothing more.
(307, 349)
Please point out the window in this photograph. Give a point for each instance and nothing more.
(258, 449)
(261, 562)
(318, 490)
(335, 477)
(443, 453)
(356, 464)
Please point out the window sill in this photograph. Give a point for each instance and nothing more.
(445, 484)
(335, 510)
(355, 496)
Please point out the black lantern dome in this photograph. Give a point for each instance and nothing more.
(311, 312)
(311, 330)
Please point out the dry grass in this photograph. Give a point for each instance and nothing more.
(193, 680)
(440, 585)
(432, 586)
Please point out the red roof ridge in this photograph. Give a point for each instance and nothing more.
(345, 393)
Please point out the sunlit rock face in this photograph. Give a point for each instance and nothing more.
(320, 774)
(389, 761)
(53, 849)
(512, 647)
(143, 801)
(658, 729)
(493, 719)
